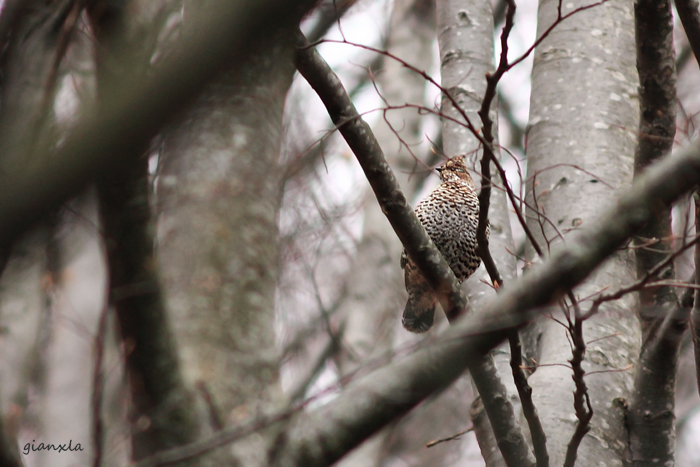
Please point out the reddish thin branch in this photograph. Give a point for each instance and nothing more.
(644, 280)
(449, 438)
(582, 400)
(487, 140)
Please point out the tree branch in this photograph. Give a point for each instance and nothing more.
(330, 14)
(650, 416)
(501, 414)
(361, 140)
(159, 393)
(582, 400)
(689, 14)
(657, 128)
(539, 438)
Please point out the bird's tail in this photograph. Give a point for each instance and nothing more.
(418, 314)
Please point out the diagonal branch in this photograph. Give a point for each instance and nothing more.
(382, 180)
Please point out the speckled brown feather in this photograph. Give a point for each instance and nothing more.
(450, 215)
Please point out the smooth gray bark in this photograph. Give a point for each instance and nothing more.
(218, 200)
(583, 112)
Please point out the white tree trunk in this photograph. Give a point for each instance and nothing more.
(584, 112)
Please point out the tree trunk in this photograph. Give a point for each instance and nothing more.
(218, 201)
(591, 55)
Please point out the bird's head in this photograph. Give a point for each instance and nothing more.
(454, 170)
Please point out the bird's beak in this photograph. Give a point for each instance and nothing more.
(439, 169)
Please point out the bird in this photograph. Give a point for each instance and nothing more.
(450, 215)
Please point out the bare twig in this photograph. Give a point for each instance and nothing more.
(582, 400)
(331, 348)
(645, 280)
(330, 13)
(215, 419)
(449, 438)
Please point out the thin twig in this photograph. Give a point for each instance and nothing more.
(645, 280)
(449, 438)
(582, 400)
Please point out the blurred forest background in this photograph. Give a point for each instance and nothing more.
(194, 269)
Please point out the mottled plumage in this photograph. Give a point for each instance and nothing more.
(450, 215)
